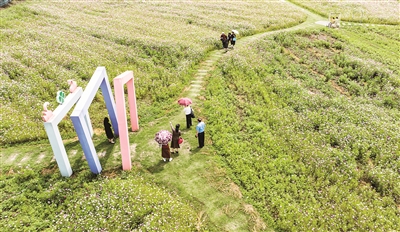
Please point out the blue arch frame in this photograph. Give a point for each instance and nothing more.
(80, 116)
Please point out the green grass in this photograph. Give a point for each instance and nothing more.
(302, 128)
(308, 148)
(161, 42)
(379, 12)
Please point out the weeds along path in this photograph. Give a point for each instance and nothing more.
(198, 174)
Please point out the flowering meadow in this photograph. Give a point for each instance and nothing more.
(43, 44)
(302, 126)
(91, 203)
(377, 11)
(308, 122)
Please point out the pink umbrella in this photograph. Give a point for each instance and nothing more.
(185, 101)
(163, 137)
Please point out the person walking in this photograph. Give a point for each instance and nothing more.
(233, 39)
(108, 130)
(176, 134)
(225, 41)
(200, 132)
(165, 152)
(188, 113)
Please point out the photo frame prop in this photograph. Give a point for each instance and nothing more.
(80, 117)
(53, 133)
(120, 81)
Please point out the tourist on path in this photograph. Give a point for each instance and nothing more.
(233, 39)
(188, 113)
(165, 152)
(200, 132)
(107, 128)
(176, 134)
(225, 41)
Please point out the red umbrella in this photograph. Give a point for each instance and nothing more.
(185, 101)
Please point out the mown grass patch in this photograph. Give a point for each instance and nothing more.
(306, 154)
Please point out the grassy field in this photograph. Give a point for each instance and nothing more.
(302, 127)
(308, 122)
(380, 11)
(45, 44)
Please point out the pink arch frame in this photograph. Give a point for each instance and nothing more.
(119, 82)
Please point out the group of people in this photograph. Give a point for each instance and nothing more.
(200, 125)
(226, 39)
(166, 150)
(334, 23)
(176, 134)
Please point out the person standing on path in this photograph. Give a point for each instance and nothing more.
(175, 137)
(225, 41)
(188, 113)
(201, 126)
(233, 39)
(107, 128)
(165, 152)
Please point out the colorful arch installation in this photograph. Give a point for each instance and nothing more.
(51, 121)
(79, 115)
(119, 82)
(81, 120)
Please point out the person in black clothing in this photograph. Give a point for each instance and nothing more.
(107, 128)
(225, 41)
(233, 39)
(176, 134)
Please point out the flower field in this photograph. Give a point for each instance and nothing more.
(379, 11)
(125, 203)
(302, 126)
(46, 43)
(308, 123)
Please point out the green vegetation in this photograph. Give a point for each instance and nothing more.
(380, 11)
(302, 127)
(125, 202)
(308, 123)
(160, 42)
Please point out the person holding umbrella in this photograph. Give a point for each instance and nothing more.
(165, 152)
(188, 110)
(162, 138)
(200, 132)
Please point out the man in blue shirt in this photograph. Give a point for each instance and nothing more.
(200, 132)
